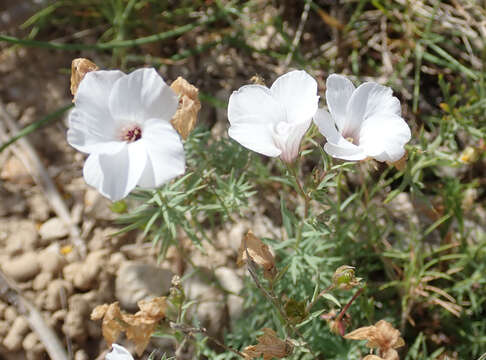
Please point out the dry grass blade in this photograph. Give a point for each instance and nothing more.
(32, 162)
(47, 336)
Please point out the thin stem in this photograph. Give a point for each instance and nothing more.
(293, 171)
(322, 293)
(112, 44)
(346, 307)
(276, 303)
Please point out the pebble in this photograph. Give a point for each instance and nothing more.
(84, 274)
(137, 281)
(210, 308)
(52, 261)
(41, 281)
(23, 267)
(15, 336)
(54, 228)
(56, 291)
(229, 280)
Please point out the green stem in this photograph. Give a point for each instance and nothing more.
(112, 44)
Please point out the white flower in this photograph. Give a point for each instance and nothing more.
(273, 121)
(123, 123)
(363, 122)
(118, 353)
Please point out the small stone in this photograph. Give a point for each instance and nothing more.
(84, 274)
(136, 281)
(52, 261)
(229, 280)
(15, 336)
(23, 267)
(4, 326)
(56, 291)
(39, 208)
(30, 341)
(41, 281)
(53, 228)
(14, 171)
(10, 314)
(76, 318)
(210, 304)
(81, 355)
(235, 308)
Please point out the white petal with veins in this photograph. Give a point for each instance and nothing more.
(273, 121)
(364, 122)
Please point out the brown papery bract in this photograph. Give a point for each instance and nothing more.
(138, 327)
(383, 336)
(259, 254)
(269, 346)
(185, 118)
(79, 68)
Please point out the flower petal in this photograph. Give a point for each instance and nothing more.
(383, 137)
(289, 141)
(327, 126)
(297, 92)
(88, 134)
(336, 146)
(349, 152)
(93, 93)
(369, 99)
(338, 92)
(115, 175)
(118, 353)
(142, 95)
(165, 152)
(252, 113)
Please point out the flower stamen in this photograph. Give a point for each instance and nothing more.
(131, 133)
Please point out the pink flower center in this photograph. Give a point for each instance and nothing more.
(131, 133)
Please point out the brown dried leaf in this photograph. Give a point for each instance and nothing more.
(259, 254)
(138, 327)
(185, 118)
(269, 346)
(79, 68)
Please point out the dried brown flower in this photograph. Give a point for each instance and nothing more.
(138, 327)
(79, 68)
(185, 118)
(269, 346)
(258, 252)
(382, 336)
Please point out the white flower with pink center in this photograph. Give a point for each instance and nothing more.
(118, 352)
(362, 122)
(273, 121)
(123, 122)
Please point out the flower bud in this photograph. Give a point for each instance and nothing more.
(344, 278)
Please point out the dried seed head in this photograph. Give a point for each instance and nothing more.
(269, 346)
(138, 327)
(185, 118)
(258, 252)
(79, 68)
(382, 335)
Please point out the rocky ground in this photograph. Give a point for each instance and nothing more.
(38, 253)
